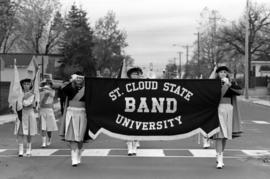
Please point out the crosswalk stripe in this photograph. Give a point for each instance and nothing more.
(261, 122)
(2, 150)
(43, 152)
(96, 152)
(150, 153)
(203, 152)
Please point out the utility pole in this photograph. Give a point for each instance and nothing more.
(179, 68)
(187, 51)
(247, 52)
(198, 43)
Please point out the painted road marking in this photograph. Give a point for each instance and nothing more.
(203, 152)
(43, 152)
(96, 152)
(197, 153)
(256, 152)
(150, 153)
(261, 122)
(2, 150)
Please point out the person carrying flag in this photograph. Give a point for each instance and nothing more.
(26, 125)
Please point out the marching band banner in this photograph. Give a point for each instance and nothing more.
(152, 109)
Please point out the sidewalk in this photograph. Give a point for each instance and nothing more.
(264, 102)
(7, 118)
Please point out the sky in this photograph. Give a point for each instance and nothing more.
(153, 26)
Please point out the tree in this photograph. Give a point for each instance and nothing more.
(8, 24)
(39, 31)
(110, 42)
(171, 70)
(77, 44)
(208, 50)
(233, 37)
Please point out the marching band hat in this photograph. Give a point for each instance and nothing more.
(221, 68)
(134, 69)
(26, 80)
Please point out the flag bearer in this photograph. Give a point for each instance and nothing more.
(26, 125)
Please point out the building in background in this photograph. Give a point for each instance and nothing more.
(49, 65)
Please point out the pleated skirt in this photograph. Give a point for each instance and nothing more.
(225, 115)
(75, 124)
(28, 124)
(48, 121)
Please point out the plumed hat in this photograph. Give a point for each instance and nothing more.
(221, 68)
(134, 69)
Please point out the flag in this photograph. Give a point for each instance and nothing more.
(213, 73)
(32, 68)
(123, 70)
(34, 74)
(15, 91)
(35, 89)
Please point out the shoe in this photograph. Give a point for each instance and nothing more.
(28, 150)
(20, 153)
(129, 148)
(219, 166)
(49, 141)
(220, 163)
(206, 143)
(74, 158)
(79, 155)
(137, 144)
(43, 142)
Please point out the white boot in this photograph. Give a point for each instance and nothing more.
(134, 147)
(79, 155)
(206, 143)
(49, 141)
(137, 144)
(28, 149)
(220, 163)
(130, 148)
(74, 158)
(20, 150)
(43, 142)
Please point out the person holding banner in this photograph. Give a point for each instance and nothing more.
(48, 122)
(26, 126)
(225, 112)
(133, 73)
(74, 120)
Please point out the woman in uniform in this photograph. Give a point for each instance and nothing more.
(26, 125)
(74, 121)
(48, 121)
(132, 145)
(225, 112)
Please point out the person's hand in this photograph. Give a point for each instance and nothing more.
(226, 81)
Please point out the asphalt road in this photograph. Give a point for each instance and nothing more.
(245, 157)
